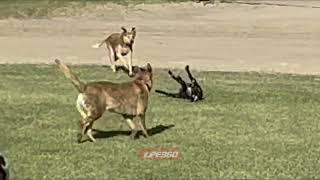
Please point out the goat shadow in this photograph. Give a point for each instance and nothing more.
(108, 134)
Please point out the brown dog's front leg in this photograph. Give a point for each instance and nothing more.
(121, 58)
(133, 134)
(130, 63)
(142, 125)
(132, 127)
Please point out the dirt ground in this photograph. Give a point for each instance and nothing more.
(228, 37)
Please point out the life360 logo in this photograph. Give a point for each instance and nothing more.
(159, 154)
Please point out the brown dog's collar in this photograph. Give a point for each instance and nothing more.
(147, 87)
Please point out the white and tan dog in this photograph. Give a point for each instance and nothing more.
(120, 45)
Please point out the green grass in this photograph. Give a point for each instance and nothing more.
(47, 8)
(250, 125)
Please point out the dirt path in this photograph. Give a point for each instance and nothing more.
(230, 37)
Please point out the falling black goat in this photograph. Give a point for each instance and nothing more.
(190, 91)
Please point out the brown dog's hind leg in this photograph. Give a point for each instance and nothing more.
(92, 114)
(89, 132)
(87, 127)
(83, 126)
(111, 58)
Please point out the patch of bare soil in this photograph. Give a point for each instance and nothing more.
(228, 37)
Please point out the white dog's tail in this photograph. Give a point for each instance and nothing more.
(98, 45)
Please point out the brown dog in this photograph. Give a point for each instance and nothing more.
(129, 99)
(120, 45)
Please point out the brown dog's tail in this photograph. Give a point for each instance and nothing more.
(98, 45)
(68, 73)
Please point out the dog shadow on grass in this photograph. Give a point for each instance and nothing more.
(99, 134)
(135, 69)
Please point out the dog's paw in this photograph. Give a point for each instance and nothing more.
(187, 67)
(169, 72)
(79, 138)
(132, 137)
(79, 141)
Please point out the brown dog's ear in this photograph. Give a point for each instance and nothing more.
(133, 30)
(124, 29)
(149, 68)
(136, 69)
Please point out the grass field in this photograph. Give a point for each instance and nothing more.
(251, 125)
